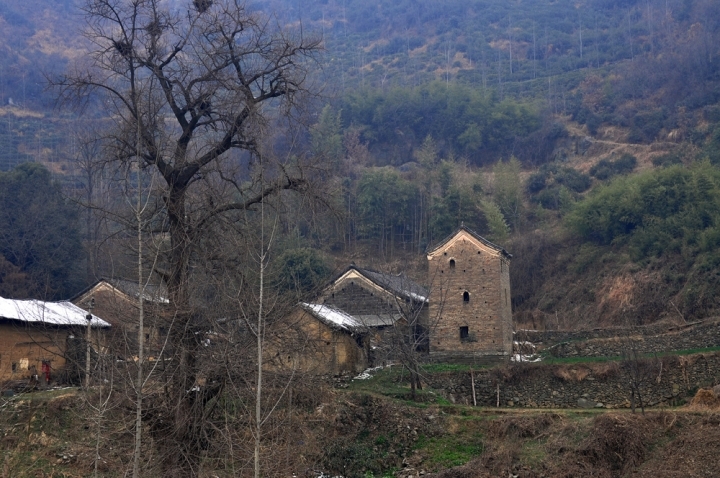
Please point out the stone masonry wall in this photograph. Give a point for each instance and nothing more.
(357, 300)
(665, 382)
(613, 342)
(461, 269)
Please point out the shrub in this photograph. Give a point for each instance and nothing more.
(667, 160)
(664, 211)
(606, 169)
(553, 186)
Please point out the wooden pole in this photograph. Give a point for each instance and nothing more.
(472, 381)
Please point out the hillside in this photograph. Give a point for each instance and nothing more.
(59, 433)
(424, 104)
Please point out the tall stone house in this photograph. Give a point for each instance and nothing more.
(469, 312)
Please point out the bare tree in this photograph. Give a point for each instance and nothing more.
(639, 371)
(198, 85)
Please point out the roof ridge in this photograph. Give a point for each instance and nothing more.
(474, 234)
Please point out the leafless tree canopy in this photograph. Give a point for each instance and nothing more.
(187, 85)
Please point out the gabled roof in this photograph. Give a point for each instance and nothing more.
(47, 313)
(473, 235)
(396, 284)
(379, 320)
(332, 316)
(151, 293)
(340, 319)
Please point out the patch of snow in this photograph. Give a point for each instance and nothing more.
(418, 297)
(368, 373)
(49, 313)
(333, 316)
(322, 474)
(525, 358)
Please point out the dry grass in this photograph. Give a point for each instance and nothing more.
(570, 373)
(518, 426)
(618, 441)
(604, 370)
(705, 398)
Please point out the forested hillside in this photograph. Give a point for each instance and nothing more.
(582, 136)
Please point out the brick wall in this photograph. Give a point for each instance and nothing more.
(470, 303)
(356, 300)
(24, 347)
(122, 312)
(303, 341)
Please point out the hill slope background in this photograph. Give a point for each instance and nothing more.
(609, 107)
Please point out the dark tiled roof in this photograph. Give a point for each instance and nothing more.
(473, 234)
(378, 320)
(398, 284)
(333, 316)
(340, 319)
(153, 292)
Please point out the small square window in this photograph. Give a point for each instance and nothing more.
(464, 332)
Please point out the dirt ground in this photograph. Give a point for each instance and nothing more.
(361, 435)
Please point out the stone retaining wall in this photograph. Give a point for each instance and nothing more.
(663, 382)
(615, 342)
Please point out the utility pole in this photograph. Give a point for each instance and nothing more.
(90, 307)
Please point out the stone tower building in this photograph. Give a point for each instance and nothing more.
(470, 315)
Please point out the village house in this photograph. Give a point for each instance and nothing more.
(390, 307)
(116, 300)
(319, 339)
(365, 317)
(37, 339)
(470, 303)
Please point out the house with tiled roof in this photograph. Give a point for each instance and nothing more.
(471, 299)
(367, 317)
(318, 339)
(38, 337)
(116, 300)
(391, 307)
(464, 315)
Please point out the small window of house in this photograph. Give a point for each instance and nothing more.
(464, 332)
(466, 297)
(452, 264)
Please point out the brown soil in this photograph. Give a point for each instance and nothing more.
(353, 434)
(658, 444)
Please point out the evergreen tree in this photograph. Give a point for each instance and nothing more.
(39, 233)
